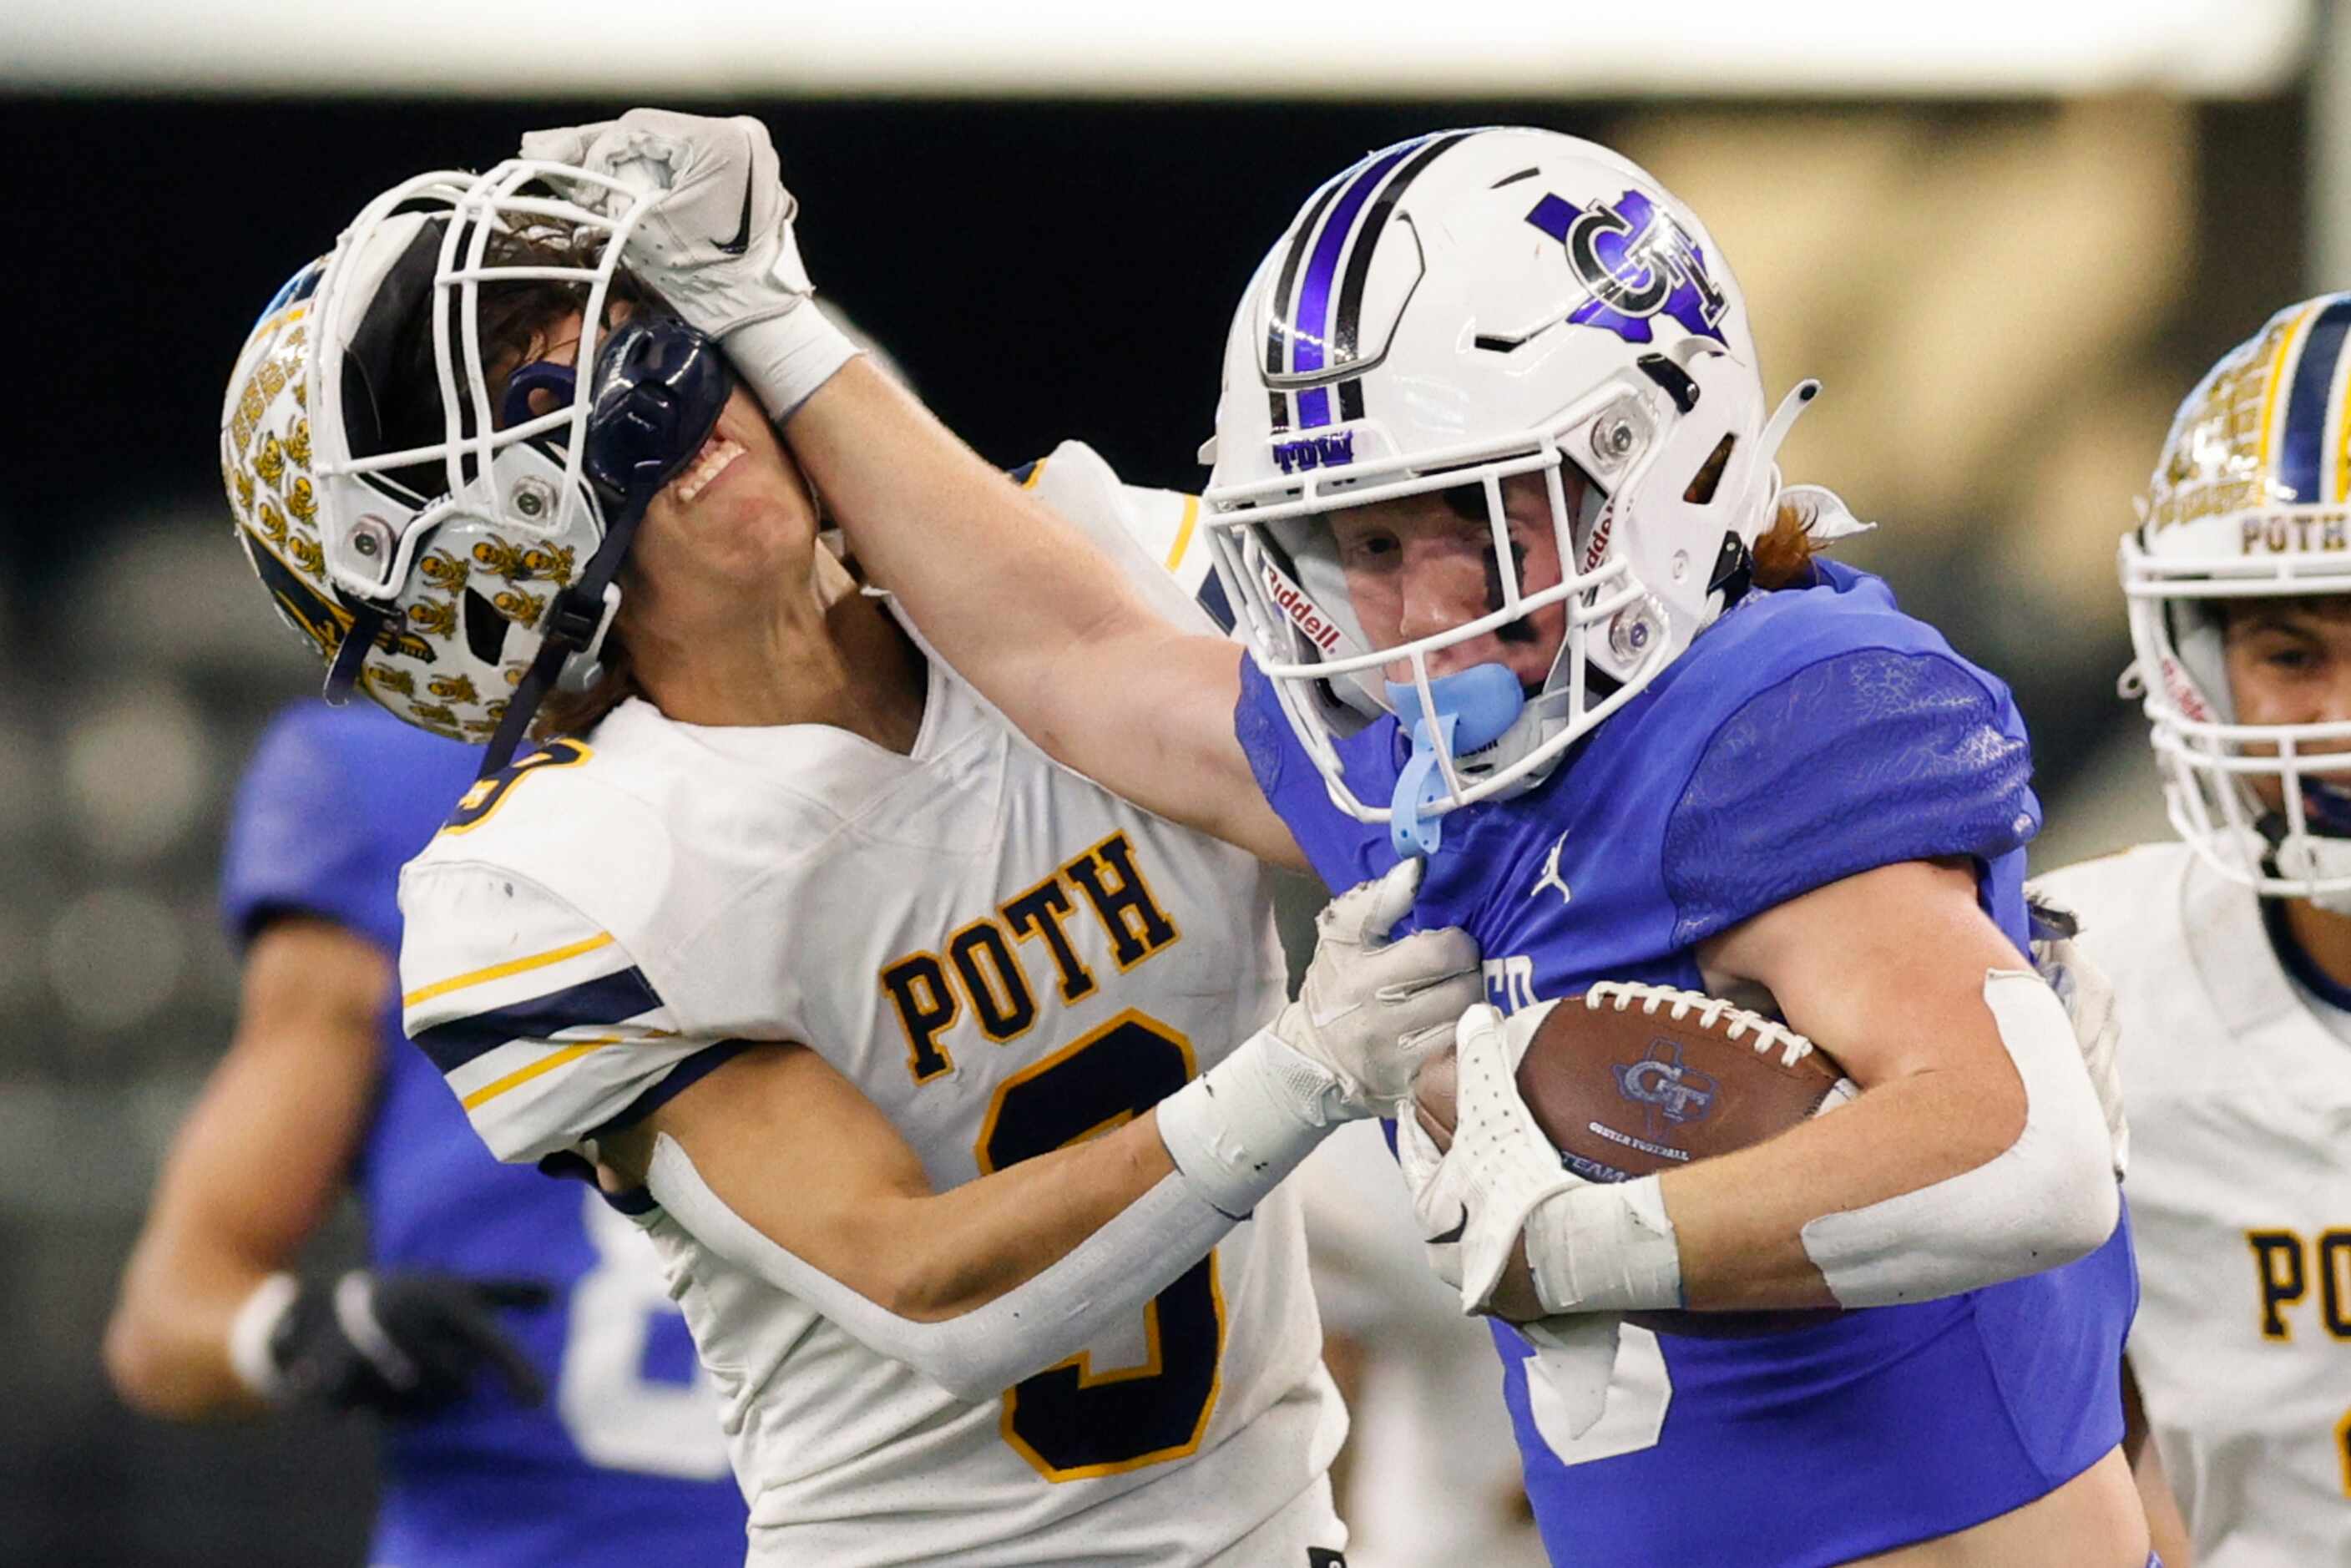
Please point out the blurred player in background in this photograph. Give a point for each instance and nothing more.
(1492, 427)
(541, 1398)
(2230, 952)
(935, 1071)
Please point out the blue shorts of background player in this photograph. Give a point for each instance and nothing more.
(577, 1429)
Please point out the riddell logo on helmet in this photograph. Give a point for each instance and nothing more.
(1597, 549)
(2282, 535)
(1293, 601)
(2183, 694)
(1314, 452)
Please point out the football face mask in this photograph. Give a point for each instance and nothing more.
(1449, 315)
(454, 561)
(2250, 502)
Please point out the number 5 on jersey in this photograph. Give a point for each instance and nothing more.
(1071, 1421)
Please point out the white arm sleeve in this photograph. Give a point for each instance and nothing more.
(1100, 1283)
(2045, 1200)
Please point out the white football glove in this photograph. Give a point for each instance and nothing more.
(2089, 998)
(1474, 1201)
(1476, 1197)
(719, 248)
(1370, 1012)
(1503, 1185)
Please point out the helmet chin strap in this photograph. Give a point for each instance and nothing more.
(1467, 711)
(2307, 857)
(2322, 856)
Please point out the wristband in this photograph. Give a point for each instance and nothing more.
(1235, 1131)
(784, 358)
(250, 1334)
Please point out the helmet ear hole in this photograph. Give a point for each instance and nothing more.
(485, 629)
(1709, 477)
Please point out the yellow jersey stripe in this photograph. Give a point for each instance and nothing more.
(500, 971)
(522, 1075)
(1036, 472)
(1184, 532)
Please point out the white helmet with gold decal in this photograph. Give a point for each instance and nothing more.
(2250, 500)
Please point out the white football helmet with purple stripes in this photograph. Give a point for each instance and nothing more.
(1451, 311)
(2250, 499)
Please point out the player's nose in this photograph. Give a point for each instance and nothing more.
(1442, 588)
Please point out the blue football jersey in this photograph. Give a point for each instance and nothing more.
(624, 1464)
(1809, 735)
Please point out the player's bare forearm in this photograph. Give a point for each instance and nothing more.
(1894, 972)
(254, 1168)
(971, 1244)
(809, 1162)
(1028, 610)
(166, 1345)
(1740, 1218)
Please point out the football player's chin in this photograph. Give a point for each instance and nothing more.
(736, 520)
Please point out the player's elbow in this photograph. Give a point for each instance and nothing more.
(2081, 1202)
(141, 1364)
(2055, 1192)
(940, 1326)
(921, 1288)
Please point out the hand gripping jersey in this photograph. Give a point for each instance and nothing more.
(2240, 1191)
(1003, 957)
(624, 1465)
(1807, 736)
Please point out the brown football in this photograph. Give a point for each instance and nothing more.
(1629, 1080)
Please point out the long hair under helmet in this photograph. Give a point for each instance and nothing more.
(1450, 312)
(2250, 499)
(454, 561)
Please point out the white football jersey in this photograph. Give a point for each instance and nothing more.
(2240, 1191)
(1004, 958)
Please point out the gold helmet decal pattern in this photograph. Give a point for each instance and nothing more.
(434, 617)
(2217, 458)
(443, 569)
(516, 605)
(546, 563)
(343, 536)
(248, 415)
(484, 728)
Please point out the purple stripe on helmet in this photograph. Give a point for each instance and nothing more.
(1311, 321)
(1314, 408)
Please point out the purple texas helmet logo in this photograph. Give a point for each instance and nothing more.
(1637, 263)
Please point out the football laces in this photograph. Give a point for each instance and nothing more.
(1711, 1012)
